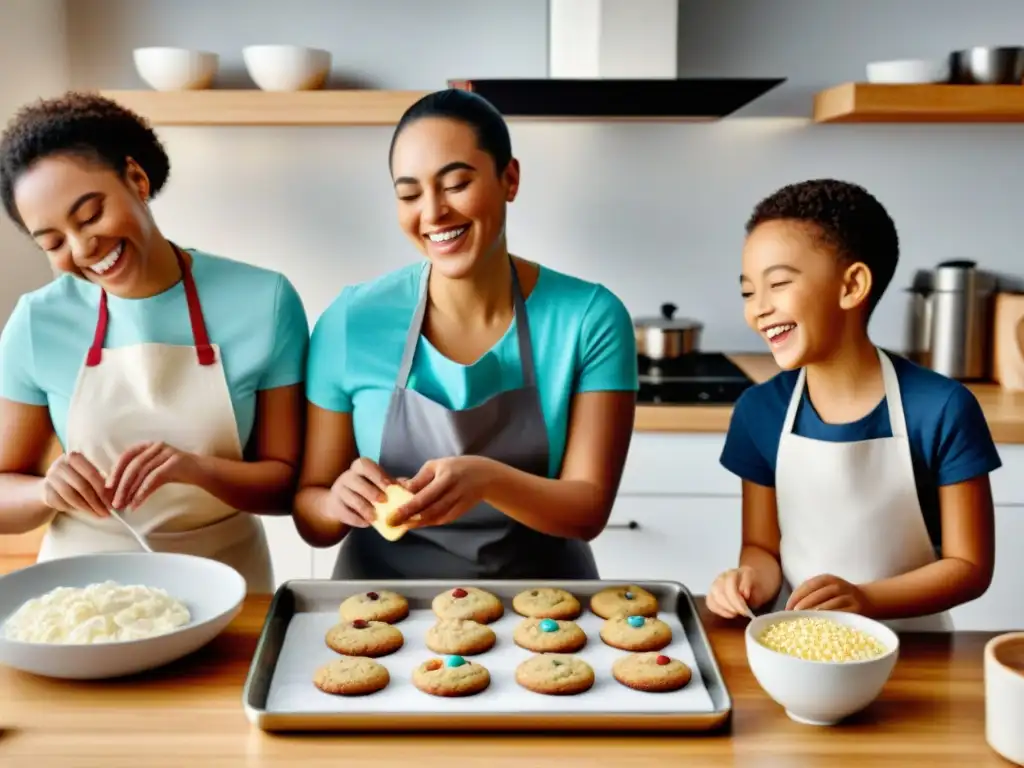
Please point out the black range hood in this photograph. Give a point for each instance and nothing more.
(704, 98)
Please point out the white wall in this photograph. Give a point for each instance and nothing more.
(654, 211)
(33, 63)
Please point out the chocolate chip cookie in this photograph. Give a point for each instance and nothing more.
(549, 636)
(636, 633)
(624, 600)
(651, 672)
(547, 603)
(364, 638)
(460, 636)
(351, 676)
(454, 676)
(555, 674)
(384, 606)
(468, 603)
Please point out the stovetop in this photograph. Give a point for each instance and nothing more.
(697, 378)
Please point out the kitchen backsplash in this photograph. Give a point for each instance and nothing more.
(654, 211)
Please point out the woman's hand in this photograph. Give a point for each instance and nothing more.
(355, 492)
(444, 490)
(72, 482)
(144, 468)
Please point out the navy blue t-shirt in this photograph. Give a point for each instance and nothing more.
(950, 441)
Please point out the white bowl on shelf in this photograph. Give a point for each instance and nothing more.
(909, 71)
(821, 692)
(175, 69)
(287, 67)
(212, 591)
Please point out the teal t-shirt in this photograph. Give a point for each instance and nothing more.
(253, 314)
(582, 338)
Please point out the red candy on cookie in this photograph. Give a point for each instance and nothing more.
(459, 592)
(663, 660)
(360, 624)
(372, 595)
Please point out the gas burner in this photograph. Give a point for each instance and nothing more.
(691, 379)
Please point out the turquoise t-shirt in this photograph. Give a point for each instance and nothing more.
(253, 314)
(582, 342)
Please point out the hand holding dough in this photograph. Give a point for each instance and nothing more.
(397, 496)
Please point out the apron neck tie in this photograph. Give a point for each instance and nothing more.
(204, 351)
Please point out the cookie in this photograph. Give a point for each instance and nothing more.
(397, 496)
(651, 672)
(375, 606)
(351, 676)
(549, 636)
(364, 638)
(452, 677)
(547, 603)
(555, 674)
(461, 636)
(624, 600)
(636, 633)
(468, 603)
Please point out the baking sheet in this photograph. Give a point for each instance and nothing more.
(304, 650)
(279, 694)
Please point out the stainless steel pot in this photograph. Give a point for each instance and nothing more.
(666, 337)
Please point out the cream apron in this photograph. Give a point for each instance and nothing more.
(177, 395)
(851, 509)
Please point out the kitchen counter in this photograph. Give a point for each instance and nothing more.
(1003, 410)
(930, 714)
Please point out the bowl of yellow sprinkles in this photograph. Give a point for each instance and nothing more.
(821, 666)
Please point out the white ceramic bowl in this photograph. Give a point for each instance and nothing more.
(821, 692)
(212, 591)
(175, 69)
(287, 67)
(909, 71)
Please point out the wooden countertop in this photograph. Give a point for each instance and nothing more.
(1004, 410)
(931, 713)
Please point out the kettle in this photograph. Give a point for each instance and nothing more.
(949, 325)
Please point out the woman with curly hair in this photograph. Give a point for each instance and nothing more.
(171, 377)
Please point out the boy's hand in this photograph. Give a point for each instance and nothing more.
(827, 593)
(732, 592)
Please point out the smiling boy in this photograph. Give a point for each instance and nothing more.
(865, 477)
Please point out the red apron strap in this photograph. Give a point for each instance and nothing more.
(96, 350)
(195, 315)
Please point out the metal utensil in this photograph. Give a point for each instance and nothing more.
(982, 65)
(666, 337)
(135, 534)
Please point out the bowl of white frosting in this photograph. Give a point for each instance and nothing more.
(113, 614)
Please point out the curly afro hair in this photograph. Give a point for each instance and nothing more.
(847, 219)
(83, 125)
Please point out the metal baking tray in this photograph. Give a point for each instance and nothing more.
(279, 694)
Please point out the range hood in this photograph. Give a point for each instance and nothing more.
(616, 59)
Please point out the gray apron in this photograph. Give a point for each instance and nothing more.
(484, 543)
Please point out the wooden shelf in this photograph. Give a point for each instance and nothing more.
(254, 107)
(870, 103)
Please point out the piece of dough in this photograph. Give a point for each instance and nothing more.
(397, 496)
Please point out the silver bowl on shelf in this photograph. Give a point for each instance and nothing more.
(984, 65)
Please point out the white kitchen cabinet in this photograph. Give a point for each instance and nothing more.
(1001, 607)
(323, 561)
(689, 539)
(291, 557)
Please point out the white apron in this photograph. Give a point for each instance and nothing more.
(177, 395)
(851, 509)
